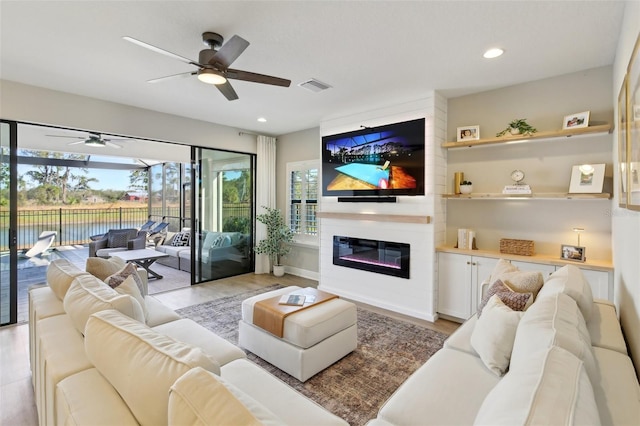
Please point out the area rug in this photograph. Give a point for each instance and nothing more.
(355, 387)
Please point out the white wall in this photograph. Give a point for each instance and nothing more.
(32, 104)
(626, 223)
(415, 296)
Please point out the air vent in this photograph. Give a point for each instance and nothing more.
(314, 85)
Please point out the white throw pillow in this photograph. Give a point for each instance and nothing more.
(571, 281)
(102, 268)
(130, 287)
(517, 280)
(140, 363)
(60, 275)
(201, 397)
(87, 295)
(551, 388)
(494, 334)
(554, 320)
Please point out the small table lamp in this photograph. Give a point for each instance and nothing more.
(578, 230)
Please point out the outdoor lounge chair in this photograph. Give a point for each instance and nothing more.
(45, 240)
(147, 226)
(118, 240)
(156, 235)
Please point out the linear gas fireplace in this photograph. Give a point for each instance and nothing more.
(382, 257)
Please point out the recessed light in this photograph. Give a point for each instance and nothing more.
(493, 53)
(262, 120)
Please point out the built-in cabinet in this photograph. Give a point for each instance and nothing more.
(460, 276)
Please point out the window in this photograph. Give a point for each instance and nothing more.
(302, 183)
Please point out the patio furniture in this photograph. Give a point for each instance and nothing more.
(143, 257)
(45, 240)
(147, 226)
(118, 240)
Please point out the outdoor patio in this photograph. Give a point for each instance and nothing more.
(32, 272)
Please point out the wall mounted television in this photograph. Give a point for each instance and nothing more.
(375, 161)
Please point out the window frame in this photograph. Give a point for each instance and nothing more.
(302, 166)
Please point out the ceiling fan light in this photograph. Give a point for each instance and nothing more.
(493, 53)
(94, 142)
(211, 77)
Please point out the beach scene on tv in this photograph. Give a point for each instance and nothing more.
(388, 160)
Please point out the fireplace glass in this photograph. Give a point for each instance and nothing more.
(382, 257)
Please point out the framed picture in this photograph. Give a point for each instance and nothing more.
(633, 128)
(623, 169)
(574, 253)
(587, 179)
(575, 121)
(468, 133)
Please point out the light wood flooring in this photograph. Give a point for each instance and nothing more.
(17, 405)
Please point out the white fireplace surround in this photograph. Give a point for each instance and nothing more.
(415, 220)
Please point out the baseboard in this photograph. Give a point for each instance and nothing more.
(304, 273)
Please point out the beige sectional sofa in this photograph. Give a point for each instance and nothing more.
(565, 357)
(105, 356)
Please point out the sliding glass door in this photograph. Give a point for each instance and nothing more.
(8, 219)
(223, 214)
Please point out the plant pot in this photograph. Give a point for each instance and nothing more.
(278, 270)
(466, 189)
(514, 131)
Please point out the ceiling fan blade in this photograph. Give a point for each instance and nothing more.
(69, 137)
(229, 52)
(171, 77)
(112, 145)
(161, 51)
(227, 90)
(76, 143)
(257, 78)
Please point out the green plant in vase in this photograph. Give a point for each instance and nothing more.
(279, 236)
(518, 127)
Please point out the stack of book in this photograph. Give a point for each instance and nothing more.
(517, 189)
(466, 239)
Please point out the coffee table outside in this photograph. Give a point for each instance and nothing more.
(142, 257)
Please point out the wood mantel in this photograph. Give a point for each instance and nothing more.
(398, 218)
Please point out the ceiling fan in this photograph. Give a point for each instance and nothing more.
(93, 140)
(213, 64)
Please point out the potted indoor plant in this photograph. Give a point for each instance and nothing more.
(518, 127)
(466, 186)
(279, 235)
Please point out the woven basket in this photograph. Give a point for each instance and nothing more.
(521, 247)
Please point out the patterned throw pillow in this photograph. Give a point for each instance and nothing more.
(514, 300)
(181, 239)
(118, 278)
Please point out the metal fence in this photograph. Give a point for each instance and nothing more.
(76, 226)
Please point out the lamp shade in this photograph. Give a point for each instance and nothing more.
(210, 76)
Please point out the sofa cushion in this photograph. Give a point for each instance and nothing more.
(130, 287)
(514, 300)
(103, 268)
(60, 275)
(517, 280)
(551, 388)
(119, 238)
(208, 240)
(140, 363)
(553, 320)
(604, 327)
(88, 295)
(494, 333)
(571, 281)
(128, 270)
(202, 398)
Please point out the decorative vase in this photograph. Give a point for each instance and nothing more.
(514, 131)
(466, 189)
(278, 270)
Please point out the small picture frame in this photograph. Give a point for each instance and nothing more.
(587, 179)
(573, 253)
(468, 133)
(576, 121)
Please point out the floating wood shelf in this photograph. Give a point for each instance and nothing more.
(536, 196)
(603, 128)
(398, 218)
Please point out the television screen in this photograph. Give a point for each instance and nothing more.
(385, 160)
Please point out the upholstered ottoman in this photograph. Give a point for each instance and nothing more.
(312, 339)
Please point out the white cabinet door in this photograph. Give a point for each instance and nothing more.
(538, 267)
(599, 281)
(454, 285)
(482, 269)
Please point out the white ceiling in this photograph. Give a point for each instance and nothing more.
(373, 53)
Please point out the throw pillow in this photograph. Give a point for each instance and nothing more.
(571, 281)
(494, 334)
(517, 280)
(128, 270)
(102, 268)
(129, 286)
(118, 239)
(181, 239)
(514, 300)
(60, 275)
